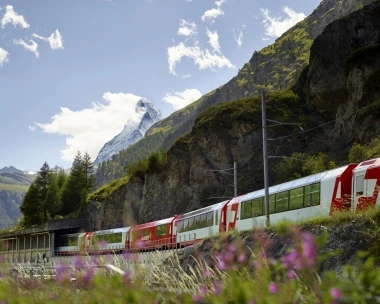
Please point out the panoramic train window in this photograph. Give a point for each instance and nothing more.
(180, 226)
(246, 210)
(196, 222)
(72, 241)
(296, 198)
(210, 218)
(312, 195)
(282, 201)
(108, 238)
(272, 203)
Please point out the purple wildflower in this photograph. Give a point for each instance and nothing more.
(309, 249)
(291, 274)
(78, 262)
(217, 287)
(242, 258)
(335, 293)
(273, 288)
(207, 273)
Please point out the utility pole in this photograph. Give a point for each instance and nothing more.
(265, 157)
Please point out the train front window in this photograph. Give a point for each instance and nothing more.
(359, 185)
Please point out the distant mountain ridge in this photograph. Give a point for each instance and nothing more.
(131, 133)
(14, 184)
(11, 169)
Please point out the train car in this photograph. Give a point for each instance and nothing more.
(160, 234)
(365, 185)
(70, 244)
(315, 195)
(111, 240)
(196, 225)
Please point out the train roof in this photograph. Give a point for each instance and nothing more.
(367, 163)
(304, 181)
(204, 210)
(153, 224)
(110, 231)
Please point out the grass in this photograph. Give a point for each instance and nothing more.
(228, 272)
(14, 188)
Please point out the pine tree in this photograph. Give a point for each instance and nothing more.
(89, 173)
(42, 184)
(72, 189)
(52, 199)
(31, 207)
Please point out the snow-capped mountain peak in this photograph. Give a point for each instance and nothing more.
(147, 115)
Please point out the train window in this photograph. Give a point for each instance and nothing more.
(197, 220)
(312, 195)
(272, 201)
(210, 218)
(257, 207)
(146, 232)
(108, 238)
(282, 201)
(216, 218)
(186, 225)
(203, 220)
(296, 198)
(359, 185)
(191, 223)
(246, 210)
(164, 229)
(72, 241)
(180, 226)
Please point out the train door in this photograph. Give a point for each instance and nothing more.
(357, 189)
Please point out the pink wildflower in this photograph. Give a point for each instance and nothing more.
(273, 288)
(335, 293)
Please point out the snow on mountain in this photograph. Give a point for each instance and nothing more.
(132, 132)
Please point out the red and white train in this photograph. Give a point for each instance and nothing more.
(352, 187)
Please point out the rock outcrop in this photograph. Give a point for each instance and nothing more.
(338, 91)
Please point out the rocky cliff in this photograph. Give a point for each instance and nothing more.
(276, 67)
(331, 98)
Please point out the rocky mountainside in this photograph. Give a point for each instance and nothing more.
(148, 115)
(336, 97)
(13, 185)
(273, 68)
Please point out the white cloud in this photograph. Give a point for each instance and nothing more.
(11, 16)
(189, 0)
(32, 47)
(239, 37)
(213, 40)
(213, 13)
(54, 40)
(89, 129)
(3, 56)
(203, 58)
(186, 76)
(32, 128)
(187, 28)
(181, 99)
(275, 27)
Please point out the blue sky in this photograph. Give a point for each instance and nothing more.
(71, 71)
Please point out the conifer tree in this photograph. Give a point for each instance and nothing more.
(89, 173)
(72, 189)
(31, 207)
(42, 184)
(52, 200)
